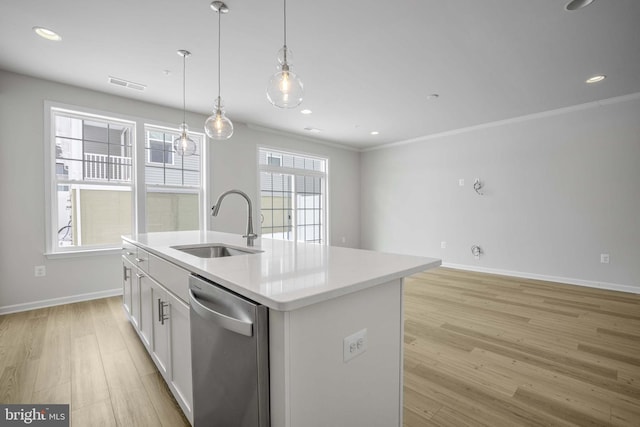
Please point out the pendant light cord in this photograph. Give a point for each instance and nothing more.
(184, 88)
(285, 30)
(219, 35)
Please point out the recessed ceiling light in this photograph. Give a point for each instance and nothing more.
(312, 130)
(596, 79)
(306, 111)
(375, 132)
(48, 34)
(577, 4)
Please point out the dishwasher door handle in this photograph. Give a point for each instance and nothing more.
(236, 325)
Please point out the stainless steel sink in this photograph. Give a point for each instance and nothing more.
(216, 250)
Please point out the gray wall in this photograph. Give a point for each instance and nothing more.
(22, 217)
(560, 189)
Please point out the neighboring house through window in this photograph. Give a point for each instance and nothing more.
(173, 183)
(92, 180)
(293, 196)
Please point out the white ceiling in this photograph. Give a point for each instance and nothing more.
(366, 65)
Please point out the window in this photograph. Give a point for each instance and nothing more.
(98, 174)
(159, 148)
(293, 196)
(91, 180)
(172, 182)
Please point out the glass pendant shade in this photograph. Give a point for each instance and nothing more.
(218, 126)
(183, 145)
(285, 89)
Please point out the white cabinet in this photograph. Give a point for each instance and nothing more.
(172, 344)
(146, 312)
(135, 298)
(180, 351)
(160, 317)
(128, 270)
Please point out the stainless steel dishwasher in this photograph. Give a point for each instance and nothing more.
(229, 357)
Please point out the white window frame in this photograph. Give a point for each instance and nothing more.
(159, 188)
(52, 181)
(299, 172)
(137, 184)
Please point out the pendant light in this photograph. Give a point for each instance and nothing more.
(218, 126)
(183, 145)
(285, 87)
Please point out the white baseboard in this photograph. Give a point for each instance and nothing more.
(59, 301)
(567, 280)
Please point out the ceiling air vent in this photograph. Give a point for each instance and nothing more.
(125, 83)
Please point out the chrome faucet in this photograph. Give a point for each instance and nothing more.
(251, 236)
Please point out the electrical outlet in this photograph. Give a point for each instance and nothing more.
(461, 182)
(604, 258)
(354, 345)
(40, 271)
(443, 245)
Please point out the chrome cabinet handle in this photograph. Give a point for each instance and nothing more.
(140, 259)
(140, 275)
(236, 325)
(124, 273)
(162, 316)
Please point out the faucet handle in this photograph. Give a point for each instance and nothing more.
(250, 238)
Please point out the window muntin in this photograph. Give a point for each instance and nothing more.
(91, 180)
(293, 196)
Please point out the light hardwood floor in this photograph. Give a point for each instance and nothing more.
(479, 350)
(491, 350)
(87, 355)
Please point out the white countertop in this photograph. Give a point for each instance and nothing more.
(286, 275)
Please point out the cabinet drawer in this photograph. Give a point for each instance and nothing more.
(142, 260)
(172, 277)
(129, 251)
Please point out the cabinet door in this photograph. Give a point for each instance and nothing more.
(180, 345)
(146, 311)
(161, 322)
(135, 297)
(127, 271)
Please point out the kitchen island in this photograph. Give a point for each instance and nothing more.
(335, 329)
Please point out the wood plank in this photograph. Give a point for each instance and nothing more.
(55, 362)
(99, 414)
(88, 382)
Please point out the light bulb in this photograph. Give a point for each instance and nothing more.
(285, 89)
(183, 145)
(218, 126)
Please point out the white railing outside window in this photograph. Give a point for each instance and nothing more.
(105, 167)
